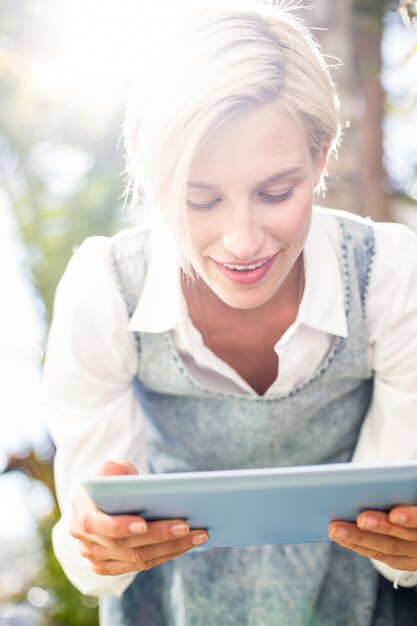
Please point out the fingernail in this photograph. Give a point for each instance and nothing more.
(368, 522)
(196, 540)
(338, 532)
(179, 529)
(399, 518)
(137, 527)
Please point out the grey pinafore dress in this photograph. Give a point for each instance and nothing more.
(189, 428)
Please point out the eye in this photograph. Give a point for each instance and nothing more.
(276, 199)
(203, 207)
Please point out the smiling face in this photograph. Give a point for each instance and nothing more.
(249, 201)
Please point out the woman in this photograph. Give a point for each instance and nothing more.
(246, 329)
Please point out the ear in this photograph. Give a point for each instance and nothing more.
(320, 163)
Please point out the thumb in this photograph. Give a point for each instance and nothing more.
(117, 468)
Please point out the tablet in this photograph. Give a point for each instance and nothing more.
(260, 506)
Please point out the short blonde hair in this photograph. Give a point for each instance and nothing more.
(225, 59)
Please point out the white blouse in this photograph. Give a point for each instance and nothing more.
(88, 399)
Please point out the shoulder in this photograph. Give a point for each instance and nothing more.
(338, 223)
(387, 236)
(395, 241)
(89, 266)
(392, 303)
(388, 250)
(90, 349)
(91, 277)
(100, 249)
(131, 242)
(395, 264)
(95, 255)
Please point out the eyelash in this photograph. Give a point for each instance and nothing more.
(277, 199)
(202, 207)
(266, 197)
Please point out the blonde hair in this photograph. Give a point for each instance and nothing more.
(225, 59)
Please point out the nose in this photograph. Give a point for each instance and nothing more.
(244, 235)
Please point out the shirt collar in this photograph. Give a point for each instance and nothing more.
(322, 307)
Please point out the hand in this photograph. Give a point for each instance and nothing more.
(387, 537)
(118, 544)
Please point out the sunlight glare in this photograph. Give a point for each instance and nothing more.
(95, 46)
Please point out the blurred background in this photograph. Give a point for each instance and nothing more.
(64, 69)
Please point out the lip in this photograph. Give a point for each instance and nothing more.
(248, 277)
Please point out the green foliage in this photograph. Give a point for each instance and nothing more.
(70, 608)
(53, 226)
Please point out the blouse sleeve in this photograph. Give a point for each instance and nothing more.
(87, 395)
(389, 432)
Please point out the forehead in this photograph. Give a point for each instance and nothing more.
(249, 146)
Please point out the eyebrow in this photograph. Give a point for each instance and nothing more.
(274, 178)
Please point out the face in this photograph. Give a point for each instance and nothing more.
(249, 202)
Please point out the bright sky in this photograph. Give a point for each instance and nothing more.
(93, 44)
(21, 338)
(400, 80)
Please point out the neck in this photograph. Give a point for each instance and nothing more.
(208, 312)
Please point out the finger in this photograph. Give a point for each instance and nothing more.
(88, 522)
(117, 468)
(92, 521)
(157, 532)
(381, 523)
(397, 562)
(404, 516)
(164, 530)
(386, 545)
(114, 568)
(142, 554)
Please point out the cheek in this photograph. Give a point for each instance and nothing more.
(296, 217)
(194, 229)
(202, 229)
(293, 225)
(303, 208)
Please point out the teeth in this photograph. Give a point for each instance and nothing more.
(244, 268)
